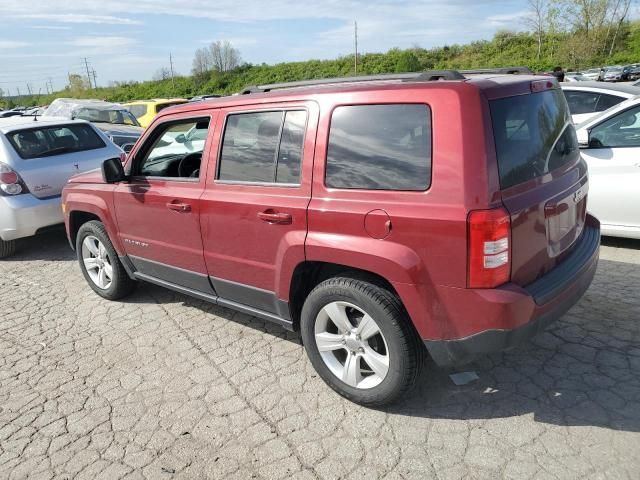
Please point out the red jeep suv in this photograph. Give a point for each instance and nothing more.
(384, 217)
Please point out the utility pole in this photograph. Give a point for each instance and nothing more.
(51, 84)
(86, 64)
(173, 83)
(355, 61)
(29, 89)
(18, 91)
(95, 83)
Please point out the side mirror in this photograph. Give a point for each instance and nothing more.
(583, 137)
(182, 138)
(113, 171)
(127, 147)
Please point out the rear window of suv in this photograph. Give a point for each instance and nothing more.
(533, 135)
(58, 140)
(380, 147)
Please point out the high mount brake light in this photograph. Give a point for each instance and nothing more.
(489, 237)
(542, 85)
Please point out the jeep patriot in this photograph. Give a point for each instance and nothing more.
(384, 217)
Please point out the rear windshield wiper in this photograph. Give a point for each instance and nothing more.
(57, 151)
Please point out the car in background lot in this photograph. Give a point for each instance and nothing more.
(383, 216)
(575, 77)
(610, 143)
(613, 74)
(586, 99)
(146, 110)
(594, 74)
(36, 160)
(11, 113)
(115, 120)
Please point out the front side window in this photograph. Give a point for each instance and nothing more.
(176, 150)
(622, 130)
(380, 147)
(50, 141)
(263, 147)
(581, 102)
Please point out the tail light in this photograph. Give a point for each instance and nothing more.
(489, 248)
(10, 182)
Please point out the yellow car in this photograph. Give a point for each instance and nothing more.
(146, 110)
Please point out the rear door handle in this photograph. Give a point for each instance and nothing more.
(179, 207)
(271, 216)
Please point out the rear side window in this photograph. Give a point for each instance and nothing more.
(264, 147)
(533, 135)
(137, 110)
(380, 147)
(50, 141)
(607, 101)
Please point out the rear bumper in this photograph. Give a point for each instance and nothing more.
(23, 215)
(531, 309)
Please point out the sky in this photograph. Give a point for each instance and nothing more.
(41, 41)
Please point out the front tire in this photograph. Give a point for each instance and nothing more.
(100, 263)
(7, 248)
(360, 341)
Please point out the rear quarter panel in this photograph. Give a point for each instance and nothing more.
(427, 243)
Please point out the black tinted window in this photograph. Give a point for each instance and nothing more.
(581, 102)
(526, 129)
(607, 101)
(49, 141)
(263, 147)
(380, 147)
(621, 130)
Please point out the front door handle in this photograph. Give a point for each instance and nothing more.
(271, 216)
(179, 207)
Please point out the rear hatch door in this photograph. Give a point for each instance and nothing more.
(49, 155)
(543, 178)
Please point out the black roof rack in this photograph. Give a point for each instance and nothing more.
(425, 76)
(499, 70)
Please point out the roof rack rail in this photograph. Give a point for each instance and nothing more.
(428, 75)
(500, 70)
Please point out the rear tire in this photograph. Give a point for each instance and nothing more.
(369, 352)
(100, 263)
(7, 248)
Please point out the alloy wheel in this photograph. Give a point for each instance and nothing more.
(351, 345)
(97, 262)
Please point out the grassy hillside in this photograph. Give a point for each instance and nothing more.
(506, 48)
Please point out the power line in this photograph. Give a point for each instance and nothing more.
(86, 64)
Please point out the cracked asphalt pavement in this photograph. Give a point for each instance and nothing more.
(163, 386)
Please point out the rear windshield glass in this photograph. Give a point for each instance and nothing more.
(137, 110)
(533, 135)
(58, 140)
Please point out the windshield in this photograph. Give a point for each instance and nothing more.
(533, 135)
(115, 117)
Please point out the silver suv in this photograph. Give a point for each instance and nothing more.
(37, 157)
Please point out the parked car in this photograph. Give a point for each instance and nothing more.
(610, 143)
(11, 113)
(384, 217)
(594, 74)
(634, 72)
(613, 74)
(36, 160)
(146, 110)
(586, 99)
(575, 77)
(199, 98)
(115, 120)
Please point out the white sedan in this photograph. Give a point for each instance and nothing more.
(586, 99)
(610, 143)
